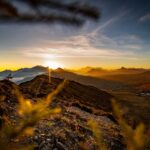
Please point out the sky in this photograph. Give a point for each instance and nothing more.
(121, 37)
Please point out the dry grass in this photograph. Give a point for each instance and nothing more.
(98, 134)
(135, 139)
(30, 114)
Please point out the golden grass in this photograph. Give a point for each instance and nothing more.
(98, 135)
(135, 139)
(30, 114)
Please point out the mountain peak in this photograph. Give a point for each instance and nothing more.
(59, 70)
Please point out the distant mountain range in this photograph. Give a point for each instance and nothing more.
(118, 79)
(97, 71)
(92, 71)
(24, 73)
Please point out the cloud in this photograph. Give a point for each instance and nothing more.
(109, 22)
(98, 45)
(76, 46)
(145, 18)
(89, 44)
(122, 43)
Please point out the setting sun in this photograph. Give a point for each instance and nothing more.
(53, 65)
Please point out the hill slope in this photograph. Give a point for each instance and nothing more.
(39, 87)
(68, 130)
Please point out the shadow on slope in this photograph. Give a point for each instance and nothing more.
(40, 87)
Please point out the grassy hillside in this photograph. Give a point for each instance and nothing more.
(39, 87)
(86, 112)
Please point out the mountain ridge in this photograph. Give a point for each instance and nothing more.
(79, 103)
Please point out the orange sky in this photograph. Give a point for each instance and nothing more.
(74, 62)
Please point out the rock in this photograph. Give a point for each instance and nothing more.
(48, 140)
(36, 138)
(15, 140)
(60, 146)
(41, 146)
(112, 143)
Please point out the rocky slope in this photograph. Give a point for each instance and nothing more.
(68, 130)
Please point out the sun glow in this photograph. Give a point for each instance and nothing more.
(53, 64)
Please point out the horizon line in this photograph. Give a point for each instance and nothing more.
(75, 68)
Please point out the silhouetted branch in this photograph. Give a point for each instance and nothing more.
(42, 19)
(75, 8)
(8, 9)
(68, 13)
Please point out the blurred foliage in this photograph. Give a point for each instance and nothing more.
(98, 135)
(30, 113)
(135, 139)
(47, 11)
